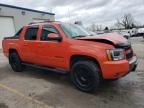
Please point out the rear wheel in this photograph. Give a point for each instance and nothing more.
(15, 62)
(85, 76)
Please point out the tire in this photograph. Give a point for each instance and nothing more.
(15, 62)
(85, 76)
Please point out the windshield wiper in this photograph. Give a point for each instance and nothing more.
(78, 36)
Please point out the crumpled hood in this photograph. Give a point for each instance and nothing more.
(109, 38)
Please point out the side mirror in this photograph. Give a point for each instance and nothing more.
(54, 37)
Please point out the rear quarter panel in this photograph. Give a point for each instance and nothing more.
(10, 44)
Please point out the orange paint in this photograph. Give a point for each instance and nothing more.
(58, 54)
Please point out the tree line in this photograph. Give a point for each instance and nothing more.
(127, 21)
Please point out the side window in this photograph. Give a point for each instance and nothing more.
(31, 34)
(47, 30)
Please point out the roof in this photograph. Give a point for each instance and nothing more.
(44, 22)
(32, 10)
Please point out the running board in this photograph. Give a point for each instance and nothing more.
(56, 70)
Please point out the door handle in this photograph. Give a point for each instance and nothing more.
(25, 44)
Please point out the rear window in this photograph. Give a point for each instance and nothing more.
(31, 34)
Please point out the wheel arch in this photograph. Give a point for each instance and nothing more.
(75, 58)
(11, 50)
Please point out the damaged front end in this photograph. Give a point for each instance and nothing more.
(125, 45)
(130, 56)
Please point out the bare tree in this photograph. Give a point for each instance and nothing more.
(94, 27)
(127, 21)
(118, 25)
(98, 27)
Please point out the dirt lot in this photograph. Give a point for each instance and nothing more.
(35, 88)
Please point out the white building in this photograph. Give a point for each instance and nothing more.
(12, 18)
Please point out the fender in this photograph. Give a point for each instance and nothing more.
(98, 54)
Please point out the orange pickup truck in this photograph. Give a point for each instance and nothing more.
(69, 47)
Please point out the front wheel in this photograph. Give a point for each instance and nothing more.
(15, 62)
(85, 76)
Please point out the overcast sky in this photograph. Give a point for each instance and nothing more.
(89, 11)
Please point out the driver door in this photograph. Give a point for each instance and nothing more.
(50, 51)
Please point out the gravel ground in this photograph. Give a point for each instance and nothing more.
(35, 88)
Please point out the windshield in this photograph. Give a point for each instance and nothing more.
(74, 30)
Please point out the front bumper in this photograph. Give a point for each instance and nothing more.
(133, 63)
(118, 69)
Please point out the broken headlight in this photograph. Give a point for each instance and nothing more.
(116, 54)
